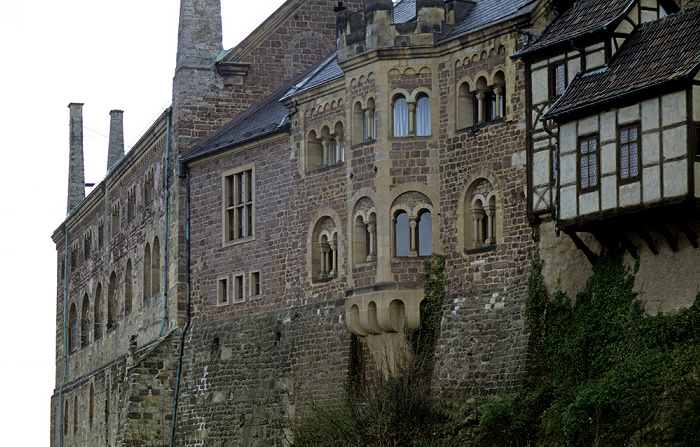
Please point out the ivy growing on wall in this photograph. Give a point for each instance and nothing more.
(601, 371)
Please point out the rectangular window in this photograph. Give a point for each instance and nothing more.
(628, 151)
(115, 220)
(557, 80)
(239, 199)
(697, 139)
(254, 285)
(588, 163)
(223, 292)
(238, 289)
(131, 205)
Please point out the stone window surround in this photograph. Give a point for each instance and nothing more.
(329, 147)
(471, 102)
(313, 255)
(226, 241)
(465, 229)
(364, 121)
(255, 282)
(412, 99)
(413, 219)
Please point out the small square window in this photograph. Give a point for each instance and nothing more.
(223, 292)
(254, 286)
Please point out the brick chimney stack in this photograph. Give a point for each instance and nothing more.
(76, 167)
(116, 138)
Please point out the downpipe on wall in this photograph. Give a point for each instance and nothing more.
(183, 172)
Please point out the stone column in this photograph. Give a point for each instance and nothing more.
(76, 167)
(413, 224)
(115, 150)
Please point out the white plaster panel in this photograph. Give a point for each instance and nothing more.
(539, 86)
(648, 16)
(628, 114)
(631, 194)
(650, 114)
(540, 167)
(573, 67)
(567, 169)
(595, 60)
(697, 179)
(648, 4)
(696, 103)
(567, 138)
(675, 142)
(650, 148)
(608, 192)
(588, 203)
(608, 158)
(542, 144)
(588, 125)
(567, 200)
(607, 127)
(539, 64)
(673, 108)
(675, 178)
(651, 184)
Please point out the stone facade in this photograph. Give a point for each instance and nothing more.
(273, 224)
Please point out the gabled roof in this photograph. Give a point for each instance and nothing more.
(489, 12)
(656, 54)
(585, 17)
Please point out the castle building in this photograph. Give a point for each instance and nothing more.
(273, 223)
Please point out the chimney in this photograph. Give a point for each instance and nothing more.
(199, 42)
(115, 150)
(76, 167)
(379, 16)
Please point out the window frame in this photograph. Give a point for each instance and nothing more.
(552, 80)
(238, 288)
(254, 284)
(223, 291)
(228, 178)
(587, 138)
(630, 178)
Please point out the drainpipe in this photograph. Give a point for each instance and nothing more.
(65, 342)
(183, 172)
(165, 224)
(582, 52)
(555, 168)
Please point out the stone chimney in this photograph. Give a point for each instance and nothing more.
(199, 42)
(456, 9)
(430, 15)
(76, 166)
(378, 23)
(350, 31)
(115, 150)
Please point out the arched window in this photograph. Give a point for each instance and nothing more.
(370, 121)
(147, 271)
(112, 301)
(324, 249)
(339, 136)
(75, 415)
(155, 267)
(85, 321)
(402, 234)
(400, 115)
(72, 329)
(91, 409)
(423, 116)
(424, 233)
(314, 152)
(97, 324)
(365, 239)
(499, 90)
(128, 284)
(359, 125)
(465, 107)
(480, 215)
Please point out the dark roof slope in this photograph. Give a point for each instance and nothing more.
(266, 117)
(657, 53)
(404, 11)
(489, 12)
(585, 17)
(325, 71)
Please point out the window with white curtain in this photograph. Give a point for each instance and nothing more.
(423, 116)
(400, 117)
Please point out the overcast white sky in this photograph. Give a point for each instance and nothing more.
(107, 55)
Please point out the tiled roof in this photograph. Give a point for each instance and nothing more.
(404, 11)
(326, 70)
(489, 12)
(657, 53)
(582, 18)
(265, 118)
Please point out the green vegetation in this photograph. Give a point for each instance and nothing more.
(600, 373)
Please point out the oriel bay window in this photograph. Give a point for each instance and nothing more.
(239, 200)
